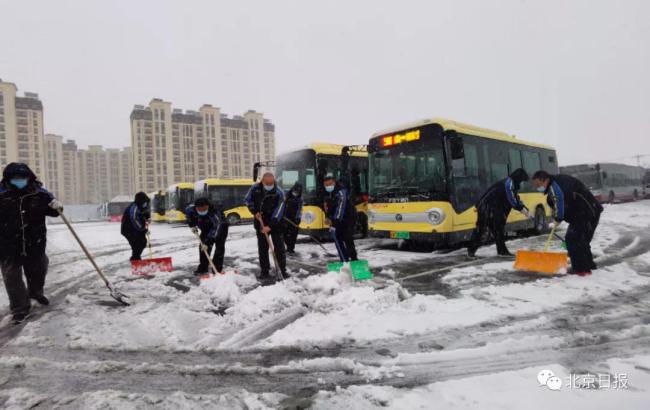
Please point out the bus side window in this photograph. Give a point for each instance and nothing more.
(532, 162)
(514, 159)
(498, 162)
(467, 183)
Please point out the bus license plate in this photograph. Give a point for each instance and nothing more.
(400, 235)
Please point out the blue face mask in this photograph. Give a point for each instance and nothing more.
(202, 213)
(329, 188)
(541, 189)
(19, 183)
(268, 187)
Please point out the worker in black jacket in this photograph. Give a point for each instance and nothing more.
(24, 204)
(213, 225)
(342, 218)
(572, 202)
(292, 215)
(266, 201)
(135, 224)
(493, 209)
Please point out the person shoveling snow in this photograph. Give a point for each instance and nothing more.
(213, 227)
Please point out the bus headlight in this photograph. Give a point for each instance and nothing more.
(435, 216)
(308, 217)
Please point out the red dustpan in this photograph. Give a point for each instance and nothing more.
(147, 267)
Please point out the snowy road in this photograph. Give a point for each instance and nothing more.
(463, 332)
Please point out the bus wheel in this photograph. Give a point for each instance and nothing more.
(540, 221)
(233, 219)
(612, 197)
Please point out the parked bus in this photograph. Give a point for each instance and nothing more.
(116, 207)
(179, 197)
(610, 182)
(310, 165)
(229, 194)
(158, 206)
(426, 177)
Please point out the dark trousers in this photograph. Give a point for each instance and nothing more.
(578, 243)
(219, 245)
(344, 240)
(290, 236)
(263, 249)
(35, 268)
(138, 243)
(489, 222)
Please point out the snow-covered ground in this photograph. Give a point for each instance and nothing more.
(432, 330)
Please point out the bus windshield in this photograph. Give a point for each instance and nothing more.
(299, 166)
(181, 199)
(412, 170)
(159, 205)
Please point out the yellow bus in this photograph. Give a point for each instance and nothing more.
(158, 206)
(426, 176)
(179, 197)
(310, 165)
(229, 194)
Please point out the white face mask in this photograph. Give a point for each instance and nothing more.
(541, 188)
(329, 188)
(268, 187)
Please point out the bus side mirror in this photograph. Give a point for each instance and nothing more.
(256, 171)
(456, 146)
(322, 166)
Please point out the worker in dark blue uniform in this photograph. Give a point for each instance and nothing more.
(572, 202)
(210, 223)
(342, 217)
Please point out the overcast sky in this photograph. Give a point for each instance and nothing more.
(573, 74)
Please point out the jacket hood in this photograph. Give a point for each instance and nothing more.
(297, 188)
(141, 198)
(17, 169)
(519, 175)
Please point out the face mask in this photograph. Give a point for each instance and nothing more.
(268, 187)
(203, 213)
(541, 189)
(19, 183)
(329, 188)
(295, 193)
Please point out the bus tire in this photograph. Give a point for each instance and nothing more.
(540, 221)
(612, 197)
(233, 219)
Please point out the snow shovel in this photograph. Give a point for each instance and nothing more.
(146, 267)
(542, 261)
(215, 271)
(115, 294)
(313, 238)
(358, 269)
(278, 272)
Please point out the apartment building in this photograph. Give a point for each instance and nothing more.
(21, 129)
(170, 145)
(71, 173)
(103, 174)
(54, 181)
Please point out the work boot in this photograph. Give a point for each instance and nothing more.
(266, 279)
(18, 318)
(505, 253)
(201, 270)
(41, 299)
(286, 275)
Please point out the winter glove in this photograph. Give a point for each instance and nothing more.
(526, 212)
(195, 230)
(204, 247)
(333, 230)
(56, 205)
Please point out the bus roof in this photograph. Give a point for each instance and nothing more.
(181, 185)
(465, 129)
(225, 182)
(330, 149)
(603, 166)
(121, 199)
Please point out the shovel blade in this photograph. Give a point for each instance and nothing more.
(147, 267)
(359, 269)
(542, 262)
